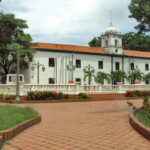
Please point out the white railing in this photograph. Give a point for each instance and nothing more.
(68, 88)
(127, 87)
(110, 88)
(8, 89)
(89, 88)
(72, 88)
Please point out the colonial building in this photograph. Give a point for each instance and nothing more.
(64, 63)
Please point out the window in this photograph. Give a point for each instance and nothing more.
(132, 66)
(78, 80)
(146, 67)
(100, 65)
(78, 63)
(116, 50)
(116, 43)
(147, 82)
(106, 43)
(51, 81)
(117, 66)
(51, 62)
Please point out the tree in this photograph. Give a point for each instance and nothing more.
(95, 42)
(134, 41)
(140, 10)
(89, 72)
(147, 78)
(11, 31)
(131, 41)
(134, 75)
(101, 77)
(118, 76)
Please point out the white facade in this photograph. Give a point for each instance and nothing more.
(57, 71)
(62, 75)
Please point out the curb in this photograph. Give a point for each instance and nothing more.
(139, 127)
(12, 132)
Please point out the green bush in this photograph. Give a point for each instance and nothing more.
(82, 96)
(47, 95)
(65, 96)
(137, 93)
(5, 97)
(60, 95)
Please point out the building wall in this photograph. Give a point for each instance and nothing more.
(63, 76)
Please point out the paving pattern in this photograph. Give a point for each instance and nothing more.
(99, 125)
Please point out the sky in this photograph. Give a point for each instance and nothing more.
(72, 22)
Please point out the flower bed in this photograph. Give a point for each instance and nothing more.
(137, 93)
(14, 120)
(142, 115)
(47, 95)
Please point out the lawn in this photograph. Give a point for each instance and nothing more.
(12, 115)
(143, 117)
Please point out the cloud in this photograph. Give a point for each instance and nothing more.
(73, 22)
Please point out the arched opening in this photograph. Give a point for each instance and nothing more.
(106, 42)
(116, 42)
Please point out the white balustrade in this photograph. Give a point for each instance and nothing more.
(72, 88)
(109, 88)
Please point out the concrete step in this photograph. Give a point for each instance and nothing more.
(106, 95)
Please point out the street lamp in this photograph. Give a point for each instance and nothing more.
(38, 65)
(17, 50)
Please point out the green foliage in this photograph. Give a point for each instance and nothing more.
(95, 42)
(65, 96)
(140, 10)
(118, 76)
(146, 77)
(47, 95)
(135, 41)
(101, 77)
(143, 113)
(137, 93)
(4, 96)
(82, 96)
(134, 75)
(12, 31)
(130, 41)
(12, 115)
(89, 72)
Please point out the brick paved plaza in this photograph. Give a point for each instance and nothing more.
(81, 126)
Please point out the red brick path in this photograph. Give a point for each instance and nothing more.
(81, 126)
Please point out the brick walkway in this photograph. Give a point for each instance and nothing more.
(81, 126)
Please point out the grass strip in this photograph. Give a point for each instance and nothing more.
(142, 117)
(12, 115)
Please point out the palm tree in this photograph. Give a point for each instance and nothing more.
(89, 72)
(101, 77)
(134, 75)
(118, 76)
(147, 78)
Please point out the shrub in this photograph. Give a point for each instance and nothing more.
(65, 96)
(137, 93)
(60, 95)
(5, 97)
(82, 96)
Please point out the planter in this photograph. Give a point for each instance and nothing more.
(12, 132)
(139, 127)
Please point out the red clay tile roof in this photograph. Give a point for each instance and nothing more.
(86, 49)
(136, 53)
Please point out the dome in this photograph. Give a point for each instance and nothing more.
(111, 29)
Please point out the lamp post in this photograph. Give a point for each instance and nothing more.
(38, 65)
(17, 50)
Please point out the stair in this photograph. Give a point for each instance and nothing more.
(110, 96)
